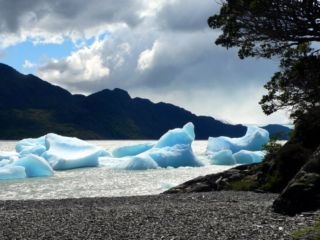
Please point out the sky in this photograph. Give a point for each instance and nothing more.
(157, 49)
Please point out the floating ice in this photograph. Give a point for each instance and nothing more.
(244, 150)
(12, 172)
(69, 152)
(180, 155)
(35, 166)
(172, 150)
(35, 146)
(131, 150)
(140, 162)
(247, 157)
(5, 162)
(253, 140)
(176, 136)
(8, 155)
(223, 157)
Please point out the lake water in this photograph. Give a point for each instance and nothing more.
(103, 182)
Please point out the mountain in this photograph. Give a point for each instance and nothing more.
(30, 107)
(278, 131)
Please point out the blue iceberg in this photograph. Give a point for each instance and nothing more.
(173, 149)
(253, 140)
(131, 150)
(8, 155)
(180, 155)
(247, 157)
(140, 162)
(12, 172)
(68, 152)
(223, 157)
(184, 135)
(35, 166)
(243, 150)
(35, 146)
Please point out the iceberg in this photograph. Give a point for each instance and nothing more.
(131, 150)
(12, 172)
(173, 149)
(35, 166)
(248, 157)
(253, 140)
(223, 157)
(35, 146)
(69, 152)
(244, 150)
(139, 162)
(5, 162)
(4, 155)
(184, 135)
(180, 155)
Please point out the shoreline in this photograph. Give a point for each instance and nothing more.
(213, 215)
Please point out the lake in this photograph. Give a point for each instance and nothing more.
(101, 181)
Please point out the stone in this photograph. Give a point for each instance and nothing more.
(303, 191)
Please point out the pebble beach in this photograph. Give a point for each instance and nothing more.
(214, 215)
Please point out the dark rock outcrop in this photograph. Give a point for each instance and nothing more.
(303, 191)
(244, 176)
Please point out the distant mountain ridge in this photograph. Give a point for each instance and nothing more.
(31, 107)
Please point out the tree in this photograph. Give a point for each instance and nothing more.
(266, 28)
(282, 28)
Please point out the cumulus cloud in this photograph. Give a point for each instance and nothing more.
(162, 50)
(47, 21)
(28, 64)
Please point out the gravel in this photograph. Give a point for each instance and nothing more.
(215, 215)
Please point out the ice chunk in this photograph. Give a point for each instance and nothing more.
(35, 166)
(223, 157)
(176, 136)
(12, 172)
(180, 155)
(131, 150)
(69, 152)
(35, 146)
(5, 162)
(253, 140)
(8, 155)
(172, 150)
(140, 162)
(247, 157)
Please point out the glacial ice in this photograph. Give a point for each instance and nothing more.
(4, 155)
(40, 156)
(12, 172)
(222, 157)
(35, 146)
(140, 162)
(253, 140)
(35, 166)
(68, 152)
(184, 135)
(179, 155)
(131, 150)
(247, 157)
(173, 149)
(244, 150)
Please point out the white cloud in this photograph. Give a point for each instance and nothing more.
(146, 57)
(28, 64)
(84, 65)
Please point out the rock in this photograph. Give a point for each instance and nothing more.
(212, 182)
(303, 191)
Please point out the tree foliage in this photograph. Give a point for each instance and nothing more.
(266, 28)
(284, 28)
